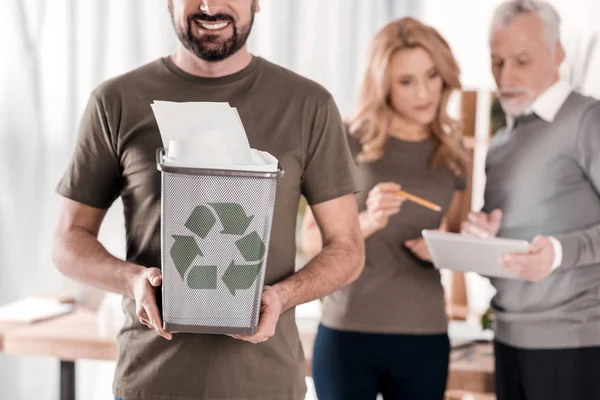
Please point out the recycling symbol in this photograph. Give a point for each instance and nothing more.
(200, 223)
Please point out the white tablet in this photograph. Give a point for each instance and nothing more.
(463, 253)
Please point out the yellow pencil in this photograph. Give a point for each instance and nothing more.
(420, 201)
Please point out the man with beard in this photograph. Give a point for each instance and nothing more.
(543, 185)
(289, 116)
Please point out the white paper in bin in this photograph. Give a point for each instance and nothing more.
(226, 216)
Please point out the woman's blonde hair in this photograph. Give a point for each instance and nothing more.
(374, 114)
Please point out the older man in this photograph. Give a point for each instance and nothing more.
(543, 184)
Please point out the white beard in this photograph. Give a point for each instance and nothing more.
(516, 109)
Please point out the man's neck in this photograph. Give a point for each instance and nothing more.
(191, 64)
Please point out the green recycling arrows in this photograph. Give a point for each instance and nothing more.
(233, 217)
(251, 247)
(235, 221)
(183, 252)
(201, 221)
(240, 277)
(202, 277)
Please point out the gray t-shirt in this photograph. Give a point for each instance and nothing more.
(397, 292)
(287, 115)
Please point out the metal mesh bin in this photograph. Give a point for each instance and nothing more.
(215, 231)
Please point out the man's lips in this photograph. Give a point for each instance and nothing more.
(212, 26)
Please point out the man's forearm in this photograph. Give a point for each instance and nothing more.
(334, 267)
(581, 248)
(80, 256)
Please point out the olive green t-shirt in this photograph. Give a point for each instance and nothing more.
(284, 114)
(397, 292)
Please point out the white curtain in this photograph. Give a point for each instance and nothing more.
(325, 40)
(54, 52)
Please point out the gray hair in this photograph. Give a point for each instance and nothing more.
(509, 10)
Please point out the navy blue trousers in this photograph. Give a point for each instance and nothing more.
(352, 365)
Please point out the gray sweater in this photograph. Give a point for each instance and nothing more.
(545, 177)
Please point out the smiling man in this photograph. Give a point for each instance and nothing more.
(212, 36)
(287, 115)
(543, 185)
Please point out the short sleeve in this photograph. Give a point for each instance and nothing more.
(93, 176)
(329, 170)
(353, 144)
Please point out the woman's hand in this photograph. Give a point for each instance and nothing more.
(419, 248)
(383, 202)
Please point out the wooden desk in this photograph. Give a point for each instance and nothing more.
(62, 297)
(474, 372)
(68, 338)
(74, 337)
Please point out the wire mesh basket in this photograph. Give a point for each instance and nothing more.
(215, 232)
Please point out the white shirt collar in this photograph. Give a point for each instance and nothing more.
(547, 104)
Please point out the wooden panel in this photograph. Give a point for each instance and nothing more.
(457, 297)
(468, 118)
(468, 114)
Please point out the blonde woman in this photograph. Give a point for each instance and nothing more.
(387, 332)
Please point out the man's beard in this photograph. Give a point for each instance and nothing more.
(209, 47)
(510, 107)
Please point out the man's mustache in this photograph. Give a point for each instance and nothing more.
(513, 90)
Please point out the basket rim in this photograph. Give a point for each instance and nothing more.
(162, 167)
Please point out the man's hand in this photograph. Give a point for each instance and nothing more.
(143, 285)
(482, 224)
(269, 315)
(419, 248)
(534, 265)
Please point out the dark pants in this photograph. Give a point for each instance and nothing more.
(561, 374)
(351, 365)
